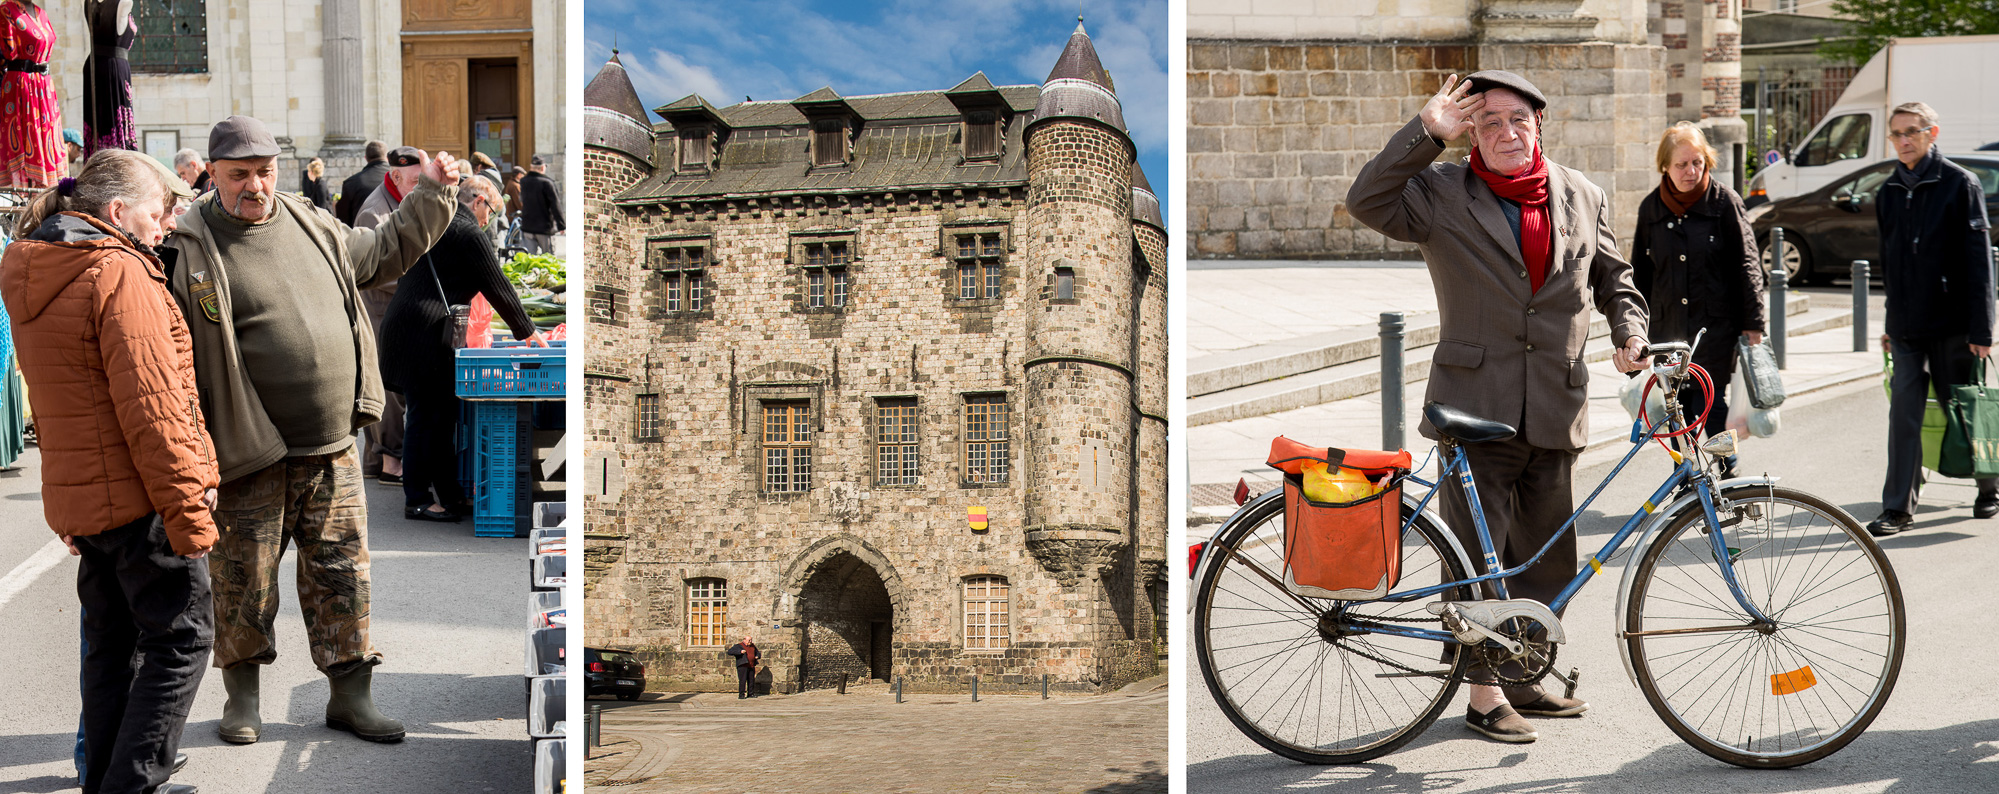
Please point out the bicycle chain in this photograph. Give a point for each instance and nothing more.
(1425, 673)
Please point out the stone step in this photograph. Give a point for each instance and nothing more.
(1363, 376)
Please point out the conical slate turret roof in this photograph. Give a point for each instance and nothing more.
(612, 90)
(1078, 87)
(1144, 202)
(613, 116)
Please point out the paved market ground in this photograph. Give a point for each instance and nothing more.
(449, 613)
(864, 741)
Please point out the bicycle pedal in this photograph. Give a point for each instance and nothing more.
(1569, 683)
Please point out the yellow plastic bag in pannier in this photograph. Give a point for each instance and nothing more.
(1349, 548)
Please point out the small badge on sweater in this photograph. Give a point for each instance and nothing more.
(204, 295)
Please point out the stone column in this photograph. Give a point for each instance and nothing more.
(1721, 82)
(340, 51)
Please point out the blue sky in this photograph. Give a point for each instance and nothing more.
(782, 49)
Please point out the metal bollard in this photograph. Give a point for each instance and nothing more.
(975, 689)
(1780, 285)
(843, 683)
(1044, 686)
(593, 733)
(1391, 380)
(1859, 305)
(898, 689)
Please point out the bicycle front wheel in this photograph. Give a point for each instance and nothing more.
(1786, 696)
(1290, 673)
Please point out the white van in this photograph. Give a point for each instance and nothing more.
(1956, 75)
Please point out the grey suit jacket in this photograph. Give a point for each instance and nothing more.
(1505, 353)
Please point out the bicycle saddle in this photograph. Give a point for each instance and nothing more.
(1464, 428)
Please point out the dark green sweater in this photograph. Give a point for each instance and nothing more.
(291, 326)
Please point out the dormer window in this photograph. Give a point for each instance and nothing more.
(829, 142)
(694, 153)
(982, 135)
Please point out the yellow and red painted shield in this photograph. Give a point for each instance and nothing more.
(976, 516)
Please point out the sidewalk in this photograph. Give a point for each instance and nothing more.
(1239, 305)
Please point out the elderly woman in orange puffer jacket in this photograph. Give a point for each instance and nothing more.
(128, 470)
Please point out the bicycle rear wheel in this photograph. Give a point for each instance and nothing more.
(1797, 693)
(1289, 678)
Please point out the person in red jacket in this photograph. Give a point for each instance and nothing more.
(129, 473)
(746, 667)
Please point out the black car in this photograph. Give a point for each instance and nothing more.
(609, 672)
(1826, 229)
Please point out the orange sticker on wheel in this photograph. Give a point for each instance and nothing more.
(1793, 682)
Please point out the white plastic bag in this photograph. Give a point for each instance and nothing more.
(1655, 403)
(1747, 421)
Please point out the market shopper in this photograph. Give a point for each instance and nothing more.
(1936, 260)
(1694, 258)
(1519, 249)
(190, 168)
(541, 209)
(312, 185)
(129, 478)
(417, 352)
(358, 186)
(746, 667)
(383, 458)
(288, 376)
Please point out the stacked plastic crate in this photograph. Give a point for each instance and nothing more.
(501, 385)
(547, 663)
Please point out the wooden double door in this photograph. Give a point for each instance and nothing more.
(468, 78)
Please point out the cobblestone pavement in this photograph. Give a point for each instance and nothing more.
(866, 742)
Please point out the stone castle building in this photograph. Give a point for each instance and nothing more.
(878, 380)
(326, 76)
(1286, 100)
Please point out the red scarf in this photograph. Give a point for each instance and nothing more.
(389, 181)
(1530, 190)
(1677, 202)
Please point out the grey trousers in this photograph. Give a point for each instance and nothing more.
(1922, 367)
(384, 437)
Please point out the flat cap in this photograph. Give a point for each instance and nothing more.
(1486, 79)
(241, 138)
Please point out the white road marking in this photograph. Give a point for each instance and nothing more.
(35, 565)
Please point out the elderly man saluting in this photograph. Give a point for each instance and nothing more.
(285, 360)
(1518, 248)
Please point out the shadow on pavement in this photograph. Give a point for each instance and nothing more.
(39, 749)
(341, 762)
(1909, 762)
(1149, 780)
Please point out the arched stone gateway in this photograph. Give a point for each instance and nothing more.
(846, 598)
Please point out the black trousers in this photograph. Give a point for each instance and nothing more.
(430, 454)
(1922, 367)
(746, 680)
(1527, 493)
(148, 622)
(1716, 355)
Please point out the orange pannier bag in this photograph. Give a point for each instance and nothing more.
(1351, 551)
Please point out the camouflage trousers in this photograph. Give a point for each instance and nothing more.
(316, 502)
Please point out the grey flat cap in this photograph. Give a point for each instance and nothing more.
(1485, 79)
(241, 138)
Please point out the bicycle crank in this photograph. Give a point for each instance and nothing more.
(1474, 622)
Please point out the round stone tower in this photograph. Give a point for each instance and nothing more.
(1080, 361)
(1149, 229)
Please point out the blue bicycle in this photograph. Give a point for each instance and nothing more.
(1762, 623)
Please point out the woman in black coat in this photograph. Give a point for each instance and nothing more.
(313, 185)
(417, 357)
(1695, 259)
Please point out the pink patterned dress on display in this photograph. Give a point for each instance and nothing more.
(31, 150)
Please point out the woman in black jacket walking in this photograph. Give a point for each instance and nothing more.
(417, 355)
(1695, 259)
(312, 185)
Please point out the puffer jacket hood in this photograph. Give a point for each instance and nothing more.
(110, 371)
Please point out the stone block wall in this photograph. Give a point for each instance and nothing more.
(1277, 130)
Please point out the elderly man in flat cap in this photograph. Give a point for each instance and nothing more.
(1519, 248)
(286, 364)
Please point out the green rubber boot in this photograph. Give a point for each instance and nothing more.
(352, 707)
(240, 723)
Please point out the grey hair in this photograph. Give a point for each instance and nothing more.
(110, 174)
(1927, 114)
(472, 187)
(185, 158)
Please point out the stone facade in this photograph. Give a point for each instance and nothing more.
(1286, 100)
(1276, 132)
(268, 59)
(1033, 390)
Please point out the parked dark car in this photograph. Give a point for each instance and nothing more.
(1826, 229)
(609, 672)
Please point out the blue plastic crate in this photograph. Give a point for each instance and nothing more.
(502, 441)
(513, 371)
